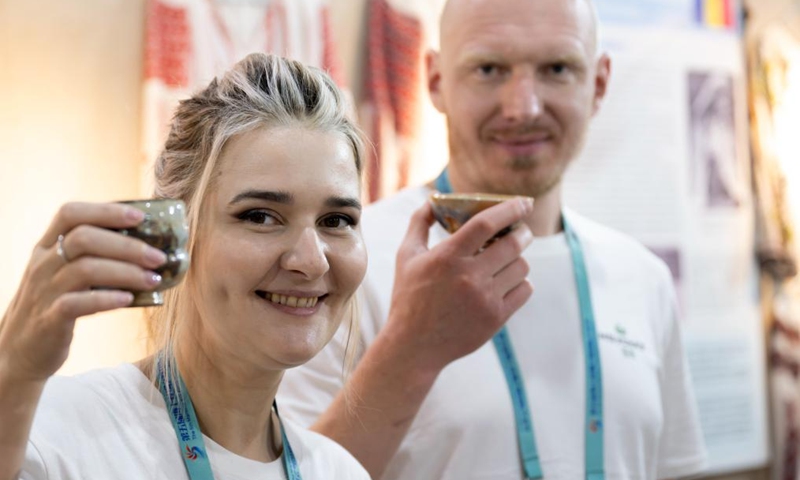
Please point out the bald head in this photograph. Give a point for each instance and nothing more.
(460, 13)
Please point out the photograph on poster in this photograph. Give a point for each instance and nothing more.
(672, 257)
(716, 176)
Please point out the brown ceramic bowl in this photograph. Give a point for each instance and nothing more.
(452, 210)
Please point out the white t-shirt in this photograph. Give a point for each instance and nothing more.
(113, 424)
(465, 428)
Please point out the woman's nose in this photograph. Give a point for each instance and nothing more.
(306, 255)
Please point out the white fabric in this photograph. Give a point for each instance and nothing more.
(113, 424)
(298, 31)
(465, 429)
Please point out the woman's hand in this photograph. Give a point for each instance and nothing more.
(77, 254)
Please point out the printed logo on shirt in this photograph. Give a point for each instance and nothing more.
(595, 425)
(194, 453)
(630, 347)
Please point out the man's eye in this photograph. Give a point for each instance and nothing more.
(487, 70)
(258, 216)
(337, 221)
(559, 68)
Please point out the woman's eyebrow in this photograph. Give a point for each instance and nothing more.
(343, 202)
(268, 195)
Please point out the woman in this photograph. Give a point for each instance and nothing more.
(269, 168)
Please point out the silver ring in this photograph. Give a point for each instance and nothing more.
(60, 249)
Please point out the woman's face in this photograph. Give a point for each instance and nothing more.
(279, 252)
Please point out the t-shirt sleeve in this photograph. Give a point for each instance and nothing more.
(681, 450)
(33, 467)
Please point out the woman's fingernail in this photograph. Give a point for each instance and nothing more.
(123, 299)
(152, 278)
(134, 214)
(154, 256)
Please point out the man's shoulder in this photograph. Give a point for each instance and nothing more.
(385, 222)
(404, 202)
(611, 245)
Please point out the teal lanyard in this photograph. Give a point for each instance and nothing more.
(190, 439)
(594, 383)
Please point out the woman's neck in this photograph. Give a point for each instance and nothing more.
(232, 399)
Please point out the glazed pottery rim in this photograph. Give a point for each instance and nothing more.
(151, 200)
(472, 196)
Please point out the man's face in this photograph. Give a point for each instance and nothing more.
(518, 81)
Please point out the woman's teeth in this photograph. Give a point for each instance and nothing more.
(290, 301)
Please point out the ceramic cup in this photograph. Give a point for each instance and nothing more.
(164, 227)
(452, 210)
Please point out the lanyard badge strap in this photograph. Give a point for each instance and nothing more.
(519, 399)
(529, 454)
(184, 422)
(190, 438)
(594, 380)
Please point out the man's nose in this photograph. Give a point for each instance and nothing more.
(306, 255)
(521, 100)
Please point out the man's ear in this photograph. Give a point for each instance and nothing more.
(602, 76)
(433, 71)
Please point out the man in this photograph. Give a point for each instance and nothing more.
(518, 81)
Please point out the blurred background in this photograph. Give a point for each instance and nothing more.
(695, 153)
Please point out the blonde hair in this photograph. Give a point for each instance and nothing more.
(260, 91)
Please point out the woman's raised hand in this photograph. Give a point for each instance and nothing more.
(77, 255)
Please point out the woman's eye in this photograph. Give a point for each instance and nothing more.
(337, 221)
(257, 216)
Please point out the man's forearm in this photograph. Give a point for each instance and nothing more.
(372, 414)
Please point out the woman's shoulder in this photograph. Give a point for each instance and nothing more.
(94, 400)
(120, 385)
(95, 423)
(318, 456)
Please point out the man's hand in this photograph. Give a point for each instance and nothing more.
(447, 302)
(451, 299)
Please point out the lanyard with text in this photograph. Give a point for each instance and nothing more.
(190, 439)
(594, 383)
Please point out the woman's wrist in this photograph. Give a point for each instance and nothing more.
(14, 382)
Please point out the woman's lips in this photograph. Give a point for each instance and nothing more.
(298, 304)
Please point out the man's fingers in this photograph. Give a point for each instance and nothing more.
(106, 215)
(482, 227)
(511, 276)
(416, 238)
(517, 297)
(506, 249)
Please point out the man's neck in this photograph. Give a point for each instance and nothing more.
(546, 217)
(232, 400)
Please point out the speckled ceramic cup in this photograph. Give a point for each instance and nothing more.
(164, 227)
(452, 210)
